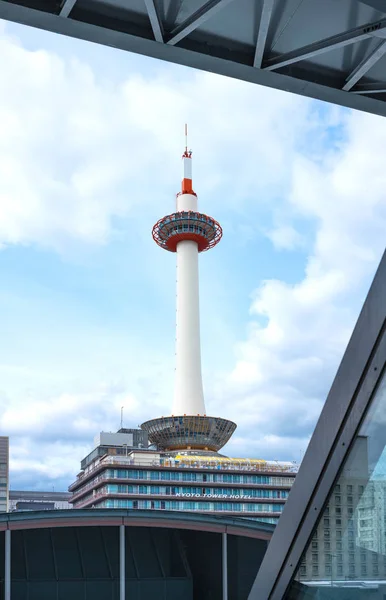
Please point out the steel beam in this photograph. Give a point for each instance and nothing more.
(224, 566)
(98, 33)
(370, 88)
(196, 19)
(155, 20)
(7, 574)
(331, 43)
(66, 8)
(262, 33)
(364, 66)
(122, 563)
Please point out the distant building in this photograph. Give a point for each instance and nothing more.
(121, 476)
(28, 500)
(4, 473)
(350, 541)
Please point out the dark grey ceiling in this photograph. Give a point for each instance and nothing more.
(334, 50)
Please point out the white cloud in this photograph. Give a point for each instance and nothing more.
(298, 332)
(285, 237)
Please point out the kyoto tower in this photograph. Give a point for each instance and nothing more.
(188, 232)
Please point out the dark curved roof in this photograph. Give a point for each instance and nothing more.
(139, 518)
(334, 51)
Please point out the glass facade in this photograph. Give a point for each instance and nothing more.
(199, 477)
(216, 490)
(191, 505)
(4, 473)
(348, 547)
(194, 491)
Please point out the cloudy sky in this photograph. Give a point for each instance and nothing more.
(90, 147)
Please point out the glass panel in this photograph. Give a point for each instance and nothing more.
(352, 561)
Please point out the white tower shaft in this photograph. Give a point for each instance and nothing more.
(188, 391)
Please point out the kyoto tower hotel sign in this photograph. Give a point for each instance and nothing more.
(188, 232)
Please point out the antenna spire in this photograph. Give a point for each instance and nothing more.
(186, 138)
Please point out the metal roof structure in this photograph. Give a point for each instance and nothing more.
(332, 50)
(108, 517)
(120, 554)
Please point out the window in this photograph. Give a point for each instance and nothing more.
(327, 545)
(338, 522)
(337, 488)
(339, 545)
(337, 499)
(315, 570)
(326, 522)
(314, 545)
(349, 489)
(328, 570)
(314, 557)
(338, 510)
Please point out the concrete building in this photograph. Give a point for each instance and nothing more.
(4, 473)
(173, 462)
(31, 500)
(350, 540)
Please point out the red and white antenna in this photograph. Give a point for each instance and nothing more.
(187, 184)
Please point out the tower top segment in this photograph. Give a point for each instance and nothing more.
(187, 223)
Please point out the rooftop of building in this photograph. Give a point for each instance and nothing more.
(36, 495)
(157, 460)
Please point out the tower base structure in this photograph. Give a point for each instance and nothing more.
(189, 432)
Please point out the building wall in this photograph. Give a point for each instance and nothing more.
(4, 473)
(25, 500)
(256, 495)
(350, 541)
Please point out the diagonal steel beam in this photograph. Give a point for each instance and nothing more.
(364, 66)
(66, 8)
(155, 20)
(265, 18)
(331, 43)
(201, 15)
(370, 88)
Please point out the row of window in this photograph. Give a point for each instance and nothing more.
(196, 506)
(339, 570)
(338, 510)
(338, 557)
(349, 488)
(199, 477)
(339, 545)
(192, 491)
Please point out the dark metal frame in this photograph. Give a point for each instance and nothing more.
(350, 396)
(186, 43)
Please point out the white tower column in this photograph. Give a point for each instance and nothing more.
(188, 391)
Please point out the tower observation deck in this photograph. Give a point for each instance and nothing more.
(188, 232)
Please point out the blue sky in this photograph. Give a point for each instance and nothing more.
(89, 160)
